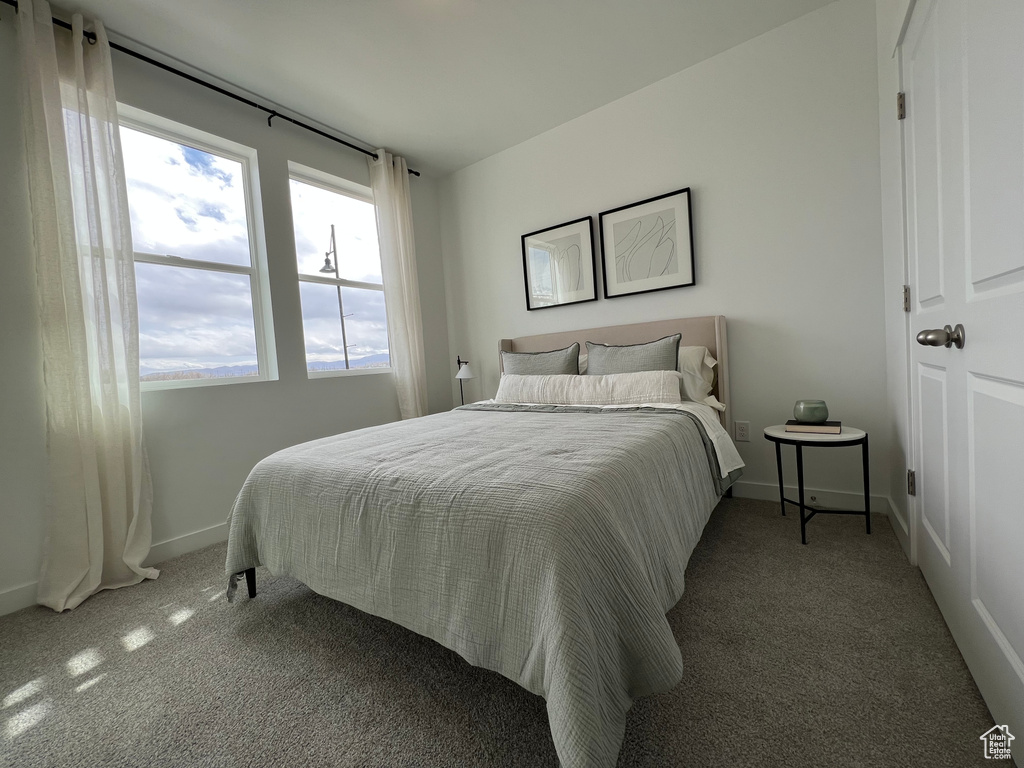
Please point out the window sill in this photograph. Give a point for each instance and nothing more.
(343, 373)
(161, 386)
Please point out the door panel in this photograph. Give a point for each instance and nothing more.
(923, 143)
(934, 472)
(994, 62)
(995, 432)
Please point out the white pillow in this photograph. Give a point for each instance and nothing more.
(611, 389)
(696, 366)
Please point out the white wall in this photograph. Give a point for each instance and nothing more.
(778, 139)
(203, 441)
(890, 15)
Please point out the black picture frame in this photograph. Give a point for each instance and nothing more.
(557, 271)
(652, 254)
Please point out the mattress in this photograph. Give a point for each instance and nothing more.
(545, 543)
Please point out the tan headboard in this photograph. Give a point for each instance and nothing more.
(708, 331)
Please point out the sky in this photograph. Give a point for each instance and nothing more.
(188, 203)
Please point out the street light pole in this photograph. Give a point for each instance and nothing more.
(333, 251)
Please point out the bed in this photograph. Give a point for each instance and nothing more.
(544, 542)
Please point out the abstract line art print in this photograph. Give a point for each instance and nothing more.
(648, 246)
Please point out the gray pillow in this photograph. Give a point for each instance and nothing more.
(553, 363)
(657, 355)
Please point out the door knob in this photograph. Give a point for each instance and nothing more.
(943, 337)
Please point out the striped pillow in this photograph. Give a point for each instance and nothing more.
(657, 355)
(615, 389)
(555, 362)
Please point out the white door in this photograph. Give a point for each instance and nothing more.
(962, 65)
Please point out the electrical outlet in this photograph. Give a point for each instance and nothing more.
(742, 431)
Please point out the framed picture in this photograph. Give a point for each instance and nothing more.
(648, 246)
(558, 265)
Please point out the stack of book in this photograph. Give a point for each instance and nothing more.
(825, 428)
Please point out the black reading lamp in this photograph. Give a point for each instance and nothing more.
(465, 372)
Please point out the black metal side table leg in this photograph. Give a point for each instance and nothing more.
(800, 491)
(782, 487)
(867, 487)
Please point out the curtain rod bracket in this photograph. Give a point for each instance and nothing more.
(270, 117)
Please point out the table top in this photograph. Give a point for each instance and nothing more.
(779, 432)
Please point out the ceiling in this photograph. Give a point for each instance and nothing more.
(443, 82)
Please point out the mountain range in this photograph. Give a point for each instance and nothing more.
(238, 371)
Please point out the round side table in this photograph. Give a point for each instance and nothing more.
(848, 437)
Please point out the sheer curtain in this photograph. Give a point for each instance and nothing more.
(99, 497)
(389, 178)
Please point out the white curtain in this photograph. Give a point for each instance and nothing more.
(99, 497)
(389, 178)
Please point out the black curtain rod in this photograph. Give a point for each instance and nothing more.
(272, 113)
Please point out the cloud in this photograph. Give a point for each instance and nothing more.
(185, 202)
(314, 210)
(365, 322)
(206, 165)
(213, 212)
(187, 220)
(195, 316)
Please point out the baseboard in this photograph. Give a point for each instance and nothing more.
(902, 529)
(16, 598)
(824, 498)
(898, 519)
(190, 542)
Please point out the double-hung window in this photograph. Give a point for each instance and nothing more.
(338, 261)
(200, 257)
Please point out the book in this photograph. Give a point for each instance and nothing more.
(826, 428)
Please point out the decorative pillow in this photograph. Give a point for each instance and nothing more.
(697, 368)
(583, 364)
(555, 362)
(657, 355)
(613, 389)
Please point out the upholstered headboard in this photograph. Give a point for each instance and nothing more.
(708, 331)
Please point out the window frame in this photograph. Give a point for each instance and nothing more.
(257, 271)
(331, 183)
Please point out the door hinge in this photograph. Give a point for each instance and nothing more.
(901, 105)
(911, 483)
(906, 298)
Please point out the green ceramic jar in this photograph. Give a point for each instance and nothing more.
(810, 411)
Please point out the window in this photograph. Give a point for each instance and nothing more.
(338, 260)
(200, 265)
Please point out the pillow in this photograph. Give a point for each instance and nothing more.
(557, 361)
(696, 365)
(613, 389)
(583, 364)
(657, 355)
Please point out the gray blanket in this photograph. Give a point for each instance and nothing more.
(545, 544)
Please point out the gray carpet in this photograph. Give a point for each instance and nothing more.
(830, 654)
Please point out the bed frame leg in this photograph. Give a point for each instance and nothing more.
(250, 581)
